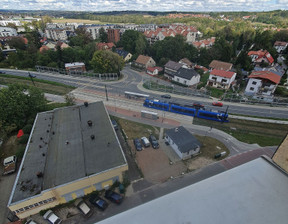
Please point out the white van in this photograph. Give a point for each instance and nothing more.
(83, 207)
(145, 142)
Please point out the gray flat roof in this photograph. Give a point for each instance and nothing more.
(255, 192)
(61, 148)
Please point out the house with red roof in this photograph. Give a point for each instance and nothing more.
(221, 79)
(262, 83)
(105, 46)
(280, 46)
(261, 56)
(153, 70)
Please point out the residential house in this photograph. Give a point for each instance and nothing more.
(105, 46)
(61, 44)
(280, 46)
(221, 78)
(206, 43)
(43, 48)
(182, 142)
(171, 68)
(144, 62)
(57, 34)
(186, 76)
(51, 45)
(262, 83)
(75, 67)
(186, 63)
(200, 67)
(220, 65)
(261, 56)
(124, 54)
(154, 70)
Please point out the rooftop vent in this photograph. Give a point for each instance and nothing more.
(176, 129)
(39, 174)
(86, 104)
(92, 137)
(89, 123)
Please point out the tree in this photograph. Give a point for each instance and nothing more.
(19, 103)
(106, 62)
(34, 39)
(12, 25)
(17, 42)
(129, 39)
(103, 35)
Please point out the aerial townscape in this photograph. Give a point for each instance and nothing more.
(143, 112)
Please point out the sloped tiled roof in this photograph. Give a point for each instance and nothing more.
(173, 65)
(261, 54)
(280, 43)
(222, 73)
(220, 65)
(142, 59)
(186, 73)
(186, 61)
(122, 53)
(266, 75)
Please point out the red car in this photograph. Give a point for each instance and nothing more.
(217, 104)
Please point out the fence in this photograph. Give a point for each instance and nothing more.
(104, 76)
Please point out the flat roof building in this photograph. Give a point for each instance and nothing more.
(255, 192)
(71, 152)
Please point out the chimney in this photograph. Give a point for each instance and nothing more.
(89, 123)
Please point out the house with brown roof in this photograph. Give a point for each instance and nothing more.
(261, 56)
(186, 62)
(171, 68)
(105, 46)
(220, 65)
(280, 46)
(61, 44)
(154, 70)
(221, 79)
(143, 62)
(43, 48)
(262, 83)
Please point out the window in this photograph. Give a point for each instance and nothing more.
(185, 81)
(252, 88)
(254, 83)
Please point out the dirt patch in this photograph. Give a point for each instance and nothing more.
(198, 162)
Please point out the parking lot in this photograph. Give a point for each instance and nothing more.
(155, 164)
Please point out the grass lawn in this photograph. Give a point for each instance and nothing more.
(44, 85)
(264, 134)
(136, 130)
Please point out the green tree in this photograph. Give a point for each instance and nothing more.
(19, 103)
(17, 42)
(106, 62)
(103, 35)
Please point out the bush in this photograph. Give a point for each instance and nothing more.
(24, 139)
(27, 128)
(20, 151)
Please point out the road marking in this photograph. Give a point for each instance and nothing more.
(235, 149)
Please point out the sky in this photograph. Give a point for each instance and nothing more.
(146, 5)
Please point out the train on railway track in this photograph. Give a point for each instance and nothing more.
(190, 110)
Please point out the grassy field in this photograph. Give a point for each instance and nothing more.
(85, 21)
(44, 85)
(137, 130)
(264, 134)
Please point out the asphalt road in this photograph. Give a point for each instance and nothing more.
(132, 82)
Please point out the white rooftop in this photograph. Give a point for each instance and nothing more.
(255, 192)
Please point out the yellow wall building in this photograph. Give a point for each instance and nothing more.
(71, 152)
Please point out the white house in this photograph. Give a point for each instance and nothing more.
(280, 46)
(221, 79)
(262, 83)
(7, 32)
(182, 142)
(186, 76)
(153, 70)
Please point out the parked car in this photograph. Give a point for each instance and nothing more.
(113, 196)
(51, 217)
(83, 207)
(145, 142)
(154, 142)
(167, 96)
(30, 221)
(217, 104)
(198, 105)
(115, 125)
(98, 202)
(137, 144)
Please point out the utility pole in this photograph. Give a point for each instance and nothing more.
(31, 77)
(106, 93)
